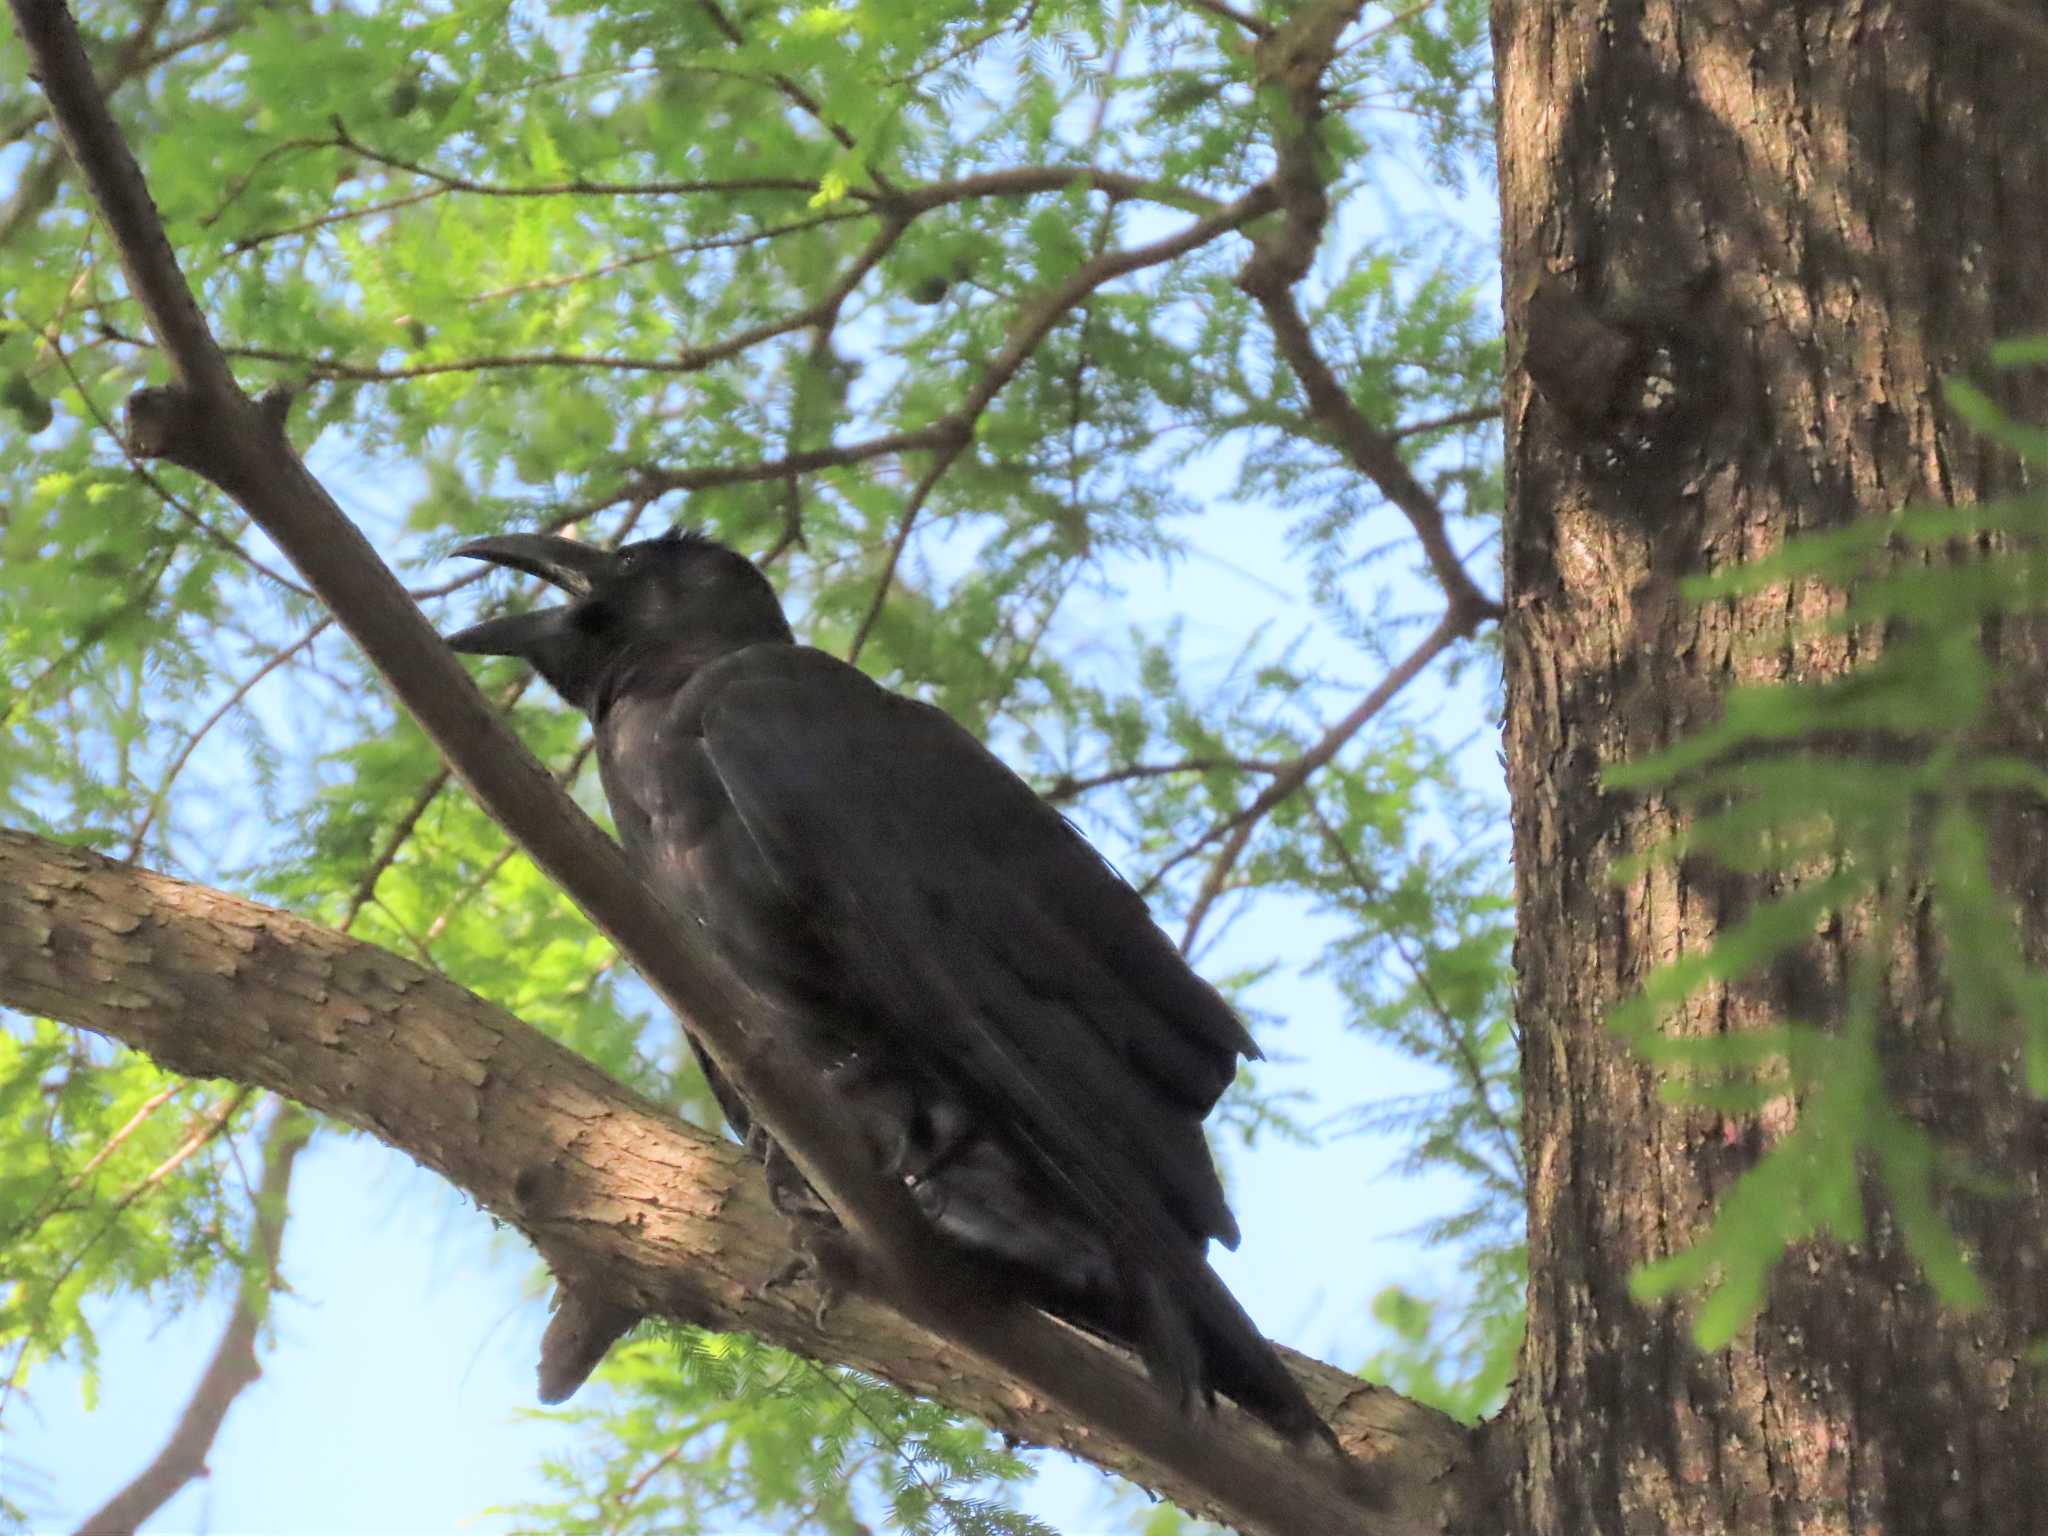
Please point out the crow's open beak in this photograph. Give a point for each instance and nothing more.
(564, 563)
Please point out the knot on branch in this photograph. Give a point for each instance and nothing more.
(584, 1328)
(177, 424)
(167, 424)
(1636, 378)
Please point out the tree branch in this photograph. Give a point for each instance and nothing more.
(1293, 60)
(208, 425)
(1026, 332)
(1072, 786)
(234, 1365)
(657, 1217)
(1452, 627)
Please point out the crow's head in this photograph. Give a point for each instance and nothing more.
(681, 594)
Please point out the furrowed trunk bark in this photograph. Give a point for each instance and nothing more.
(1744, 244)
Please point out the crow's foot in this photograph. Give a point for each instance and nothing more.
(817, 1261)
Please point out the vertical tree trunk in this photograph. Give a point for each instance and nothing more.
(1744, 245)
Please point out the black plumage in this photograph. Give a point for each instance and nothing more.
(1021, 1044)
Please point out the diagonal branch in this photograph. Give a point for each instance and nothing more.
(1235, 831)
(675, 1221)
(234, 1365)
(1026, 332)
(1371, 451)
(1293, 60)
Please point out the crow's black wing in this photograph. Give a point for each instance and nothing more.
(980, 926)
(997, 948)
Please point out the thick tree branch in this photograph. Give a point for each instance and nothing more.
(651, 1215)
(207, 424)
(234, 1365)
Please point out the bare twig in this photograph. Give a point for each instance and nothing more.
(1452, 627)
(1029, 329)
(663, 253)
(164, 493)
(1467, 418)
(235, 697)
(1468, 1064)
(497, 362)
(1069, 786)
(409, 819)
(38, 1212)
(483, 877)
(1400, 18)
(1370, 450)
(234, 1365)
(575, 186)
(203, 1131)
(1235, 17)
(795, 94)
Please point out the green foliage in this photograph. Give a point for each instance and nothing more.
(706, 1432)
(138, 1191)
(529, 265)
(1464, 1368)
(1871, 800)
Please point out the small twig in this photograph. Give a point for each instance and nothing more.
(795, 94)
(240, 692)
(1400, 18)
(942, 461)
(489, 872)
(1217, 8)
(206, 1130)
(1455, 625)
(660, 482)
(368, 373)
(327, 220)
(577, 186)
(1475, 1075)
(1466, 418)
(968, 46)
(164, 493)
(55, 1201)
(1029, 329)
(1069, 787)
(1371, 451)
(234, 1365)
(662, 253)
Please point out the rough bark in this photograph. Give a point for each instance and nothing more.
(639, 1210)
(1803, 218)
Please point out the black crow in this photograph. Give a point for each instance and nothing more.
(1021, 1044)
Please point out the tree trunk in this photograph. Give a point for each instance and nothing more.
(1744, 245)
